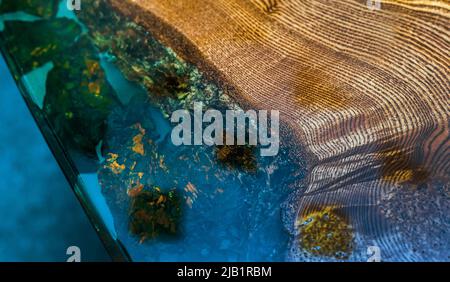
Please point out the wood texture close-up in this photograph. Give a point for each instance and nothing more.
(365, 90)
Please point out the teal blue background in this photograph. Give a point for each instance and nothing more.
(40, 216)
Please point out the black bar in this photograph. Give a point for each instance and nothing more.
(219, 271)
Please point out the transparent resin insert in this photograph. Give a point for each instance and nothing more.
(102, 90)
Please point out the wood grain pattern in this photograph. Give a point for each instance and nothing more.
(367, 92)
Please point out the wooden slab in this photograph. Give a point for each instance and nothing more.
(366, 91)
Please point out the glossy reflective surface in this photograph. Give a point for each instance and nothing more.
(90, 93)
(102, 89)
